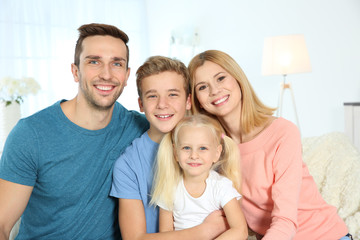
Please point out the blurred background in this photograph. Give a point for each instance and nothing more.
(37, 39)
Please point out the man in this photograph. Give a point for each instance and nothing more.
(163, 88)
(56, 166)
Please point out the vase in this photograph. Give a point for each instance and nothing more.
(9, 116)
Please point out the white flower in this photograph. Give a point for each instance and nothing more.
(14, 90)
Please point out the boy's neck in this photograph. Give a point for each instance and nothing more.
(156, 137)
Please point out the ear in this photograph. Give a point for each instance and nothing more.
(218, 152)
(127, 76)
(188, 102)
(75, 72)
(140, 105)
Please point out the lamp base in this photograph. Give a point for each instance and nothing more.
(283, 87)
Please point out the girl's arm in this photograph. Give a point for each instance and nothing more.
(236, 220)
(166, 220)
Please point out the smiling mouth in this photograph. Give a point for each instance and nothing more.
(104, 87)
(194, 164)
(164, 116)
(221, 100)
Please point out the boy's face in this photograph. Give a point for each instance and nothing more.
(164, 102)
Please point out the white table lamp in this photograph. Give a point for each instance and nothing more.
(285, 55)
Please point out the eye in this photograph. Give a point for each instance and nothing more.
(202, 87)
(173, 95)
(93, 62)
(186, 148)
(203, 148)
(220, 79)
(118, 64)
(151, 96)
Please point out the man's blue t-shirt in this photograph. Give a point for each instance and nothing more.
(70, 169)
(133, 176)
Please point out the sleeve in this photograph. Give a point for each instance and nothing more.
(162, 205)
(285, 191)
(225, 191)
(141, 122)
(125, 183)
(19, 160)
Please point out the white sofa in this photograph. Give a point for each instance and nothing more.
(334, 162)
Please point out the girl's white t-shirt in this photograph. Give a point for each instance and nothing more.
(189, 211)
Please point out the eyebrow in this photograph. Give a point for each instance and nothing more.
(217, 74)
(98, 57)
(154, 90)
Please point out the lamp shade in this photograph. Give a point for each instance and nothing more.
(285, 55)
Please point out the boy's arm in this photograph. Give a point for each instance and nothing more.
(13, 200)
(236, 219)
(133, 224)
(132, 219)
(166, 220)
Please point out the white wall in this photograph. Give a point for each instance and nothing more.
(238, 27)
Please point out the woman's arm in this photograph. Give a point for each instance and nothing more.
(287, 167)
(236, 220)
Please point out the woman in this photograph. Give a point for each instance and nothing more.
(280, 198)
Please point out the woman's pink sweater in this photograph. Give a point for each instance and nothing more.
(280, 198)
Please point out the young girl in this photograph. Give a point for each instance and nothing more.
(197, 173)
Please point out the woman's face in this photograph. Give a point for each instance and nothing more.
(216, 90)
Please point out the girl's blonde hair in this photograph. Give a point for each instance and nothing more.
(168, 172)
(253, 112)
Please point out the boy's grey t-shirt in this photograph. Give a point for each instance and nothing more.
(70, 169)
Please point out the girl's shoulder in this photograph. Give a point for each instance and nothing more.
(216, 178)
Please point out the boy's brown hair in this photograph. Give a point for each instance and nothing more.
(158, 64)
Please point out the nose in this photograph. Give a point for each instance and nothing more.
(213, 89)
(194, 155)
(162, 102)
(105, 72)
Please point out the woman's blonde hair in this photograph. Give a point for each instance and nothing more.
(168, 172)
(253, 112)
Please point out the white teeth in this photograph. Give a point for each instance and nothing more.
(104, 88)
(163, 116)
(221, 100)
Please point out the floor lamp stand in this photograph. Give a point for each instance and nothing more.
(283, 87)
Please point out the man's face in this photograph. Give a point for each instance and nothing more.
(164, 102)
(102, 73)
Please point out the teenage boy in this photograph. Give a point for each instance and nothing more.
(56, 167)
(163, 88)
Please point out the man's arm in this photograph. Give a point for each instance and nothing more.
(13, 200)
(133, 224)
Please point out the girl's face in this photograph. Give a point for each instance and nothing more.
(197, 151)
(216, 90)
